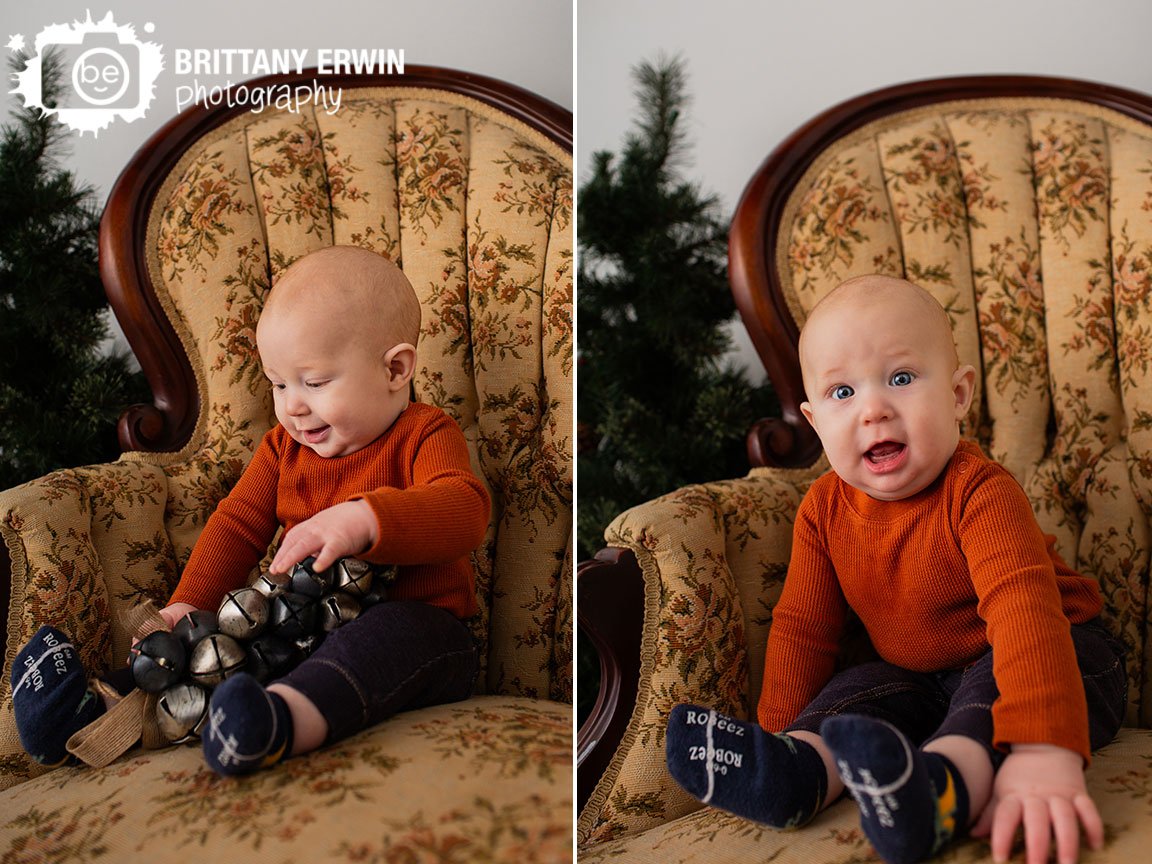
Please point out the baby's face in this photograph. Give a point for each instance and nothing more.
(332, 393)
(885, 394)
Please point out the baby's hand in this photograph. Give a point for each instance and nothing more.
(343, 530)
(174, 612)
(171, 614)
(1041, 787)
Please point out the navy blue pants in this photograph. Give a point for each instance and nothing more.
(930, 705)
(397, 656)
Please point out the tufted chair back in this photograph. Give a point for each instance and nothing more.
(1029, 217)
(466, 183)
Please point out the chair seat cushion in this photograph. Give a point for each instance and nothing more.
(1120, 781)
(485, 779)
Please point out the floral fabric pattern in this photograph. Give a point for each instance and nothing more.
(476, 207)
(374, 797)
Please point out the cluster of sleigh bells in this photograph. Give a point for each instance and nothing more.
(265, 630)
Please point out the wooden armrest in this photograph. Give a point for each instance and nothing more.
(610, 613)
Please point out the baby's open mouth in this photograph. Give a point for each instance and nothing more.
(314, 436)
(884, 453)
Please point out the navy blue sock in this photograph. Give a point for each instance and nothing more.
(912, 803)
(248, 727)
(738, 767)
(50, 696)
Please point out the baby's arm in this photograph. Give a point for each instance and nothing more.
(1041, 787)
(441, 516)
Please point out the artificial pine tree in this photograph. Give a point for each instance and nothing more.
(657, 407)
(60, 395)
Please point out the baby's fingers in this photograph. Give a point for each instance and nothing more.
(1037, 830)
(1066, 827)
(1005, 819)
(1090, 817)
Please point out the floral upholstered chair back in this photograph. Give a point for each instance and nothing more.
(1030, 220)
(475, 206)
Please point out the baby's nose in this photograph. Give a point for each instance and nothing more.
(875, 409)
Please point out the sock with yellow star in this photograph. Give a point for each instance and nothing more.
(912, 803)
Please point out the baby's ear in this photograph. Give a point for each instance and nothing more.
(401, 363)
(806, 410)
(963, 388)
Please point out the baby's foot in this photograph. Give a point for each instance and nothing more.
(248, 727)
(737, 766)
(50, 696)
(911, 802)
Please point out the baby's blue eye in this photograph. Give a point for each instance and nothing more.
(902, 379)
(843, 391)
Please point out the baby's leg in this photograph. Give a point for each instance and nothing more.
(309, 728)
(912, 802)
(395, 657)
(784, 780)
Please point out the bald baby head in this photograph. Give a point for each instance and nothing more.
(848, 301)
(347, 290)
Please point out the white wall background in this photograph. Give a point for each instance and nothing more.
(758, 70)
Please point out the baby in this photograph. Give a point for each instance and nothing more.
(353, 468)
(996, 678)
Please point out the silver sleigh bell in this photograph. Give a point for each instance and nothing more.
(215, 658)
(337, 609)
(243, 613)
(181, 711)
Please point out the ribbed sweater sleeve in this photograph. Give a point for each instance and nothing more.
(236, 535)
(1033, 659)
(807, 623)
(442, 515)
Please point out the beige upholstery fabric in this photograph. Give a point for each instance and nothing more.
(1031, 221)
(476, 208)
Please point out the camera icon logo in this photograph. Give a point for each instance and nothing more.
(109, 74)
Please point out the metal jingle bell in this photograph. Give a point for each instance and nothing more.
(337, 609)
(272, 584)
(309, 582)
(243, 613)
(158, 661)
(195, 626)
(271, 656)
(352, 576)
(181, 711)
(293, 615)
(215, 658)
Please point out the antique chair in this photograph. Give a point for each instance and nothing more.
(466, 182)
(1025, 205)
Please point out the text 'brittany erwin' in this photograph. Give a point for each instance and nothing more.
(283, 61)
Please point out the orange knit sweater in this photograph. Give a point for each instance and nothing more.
(936, 579)
(431, 510)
